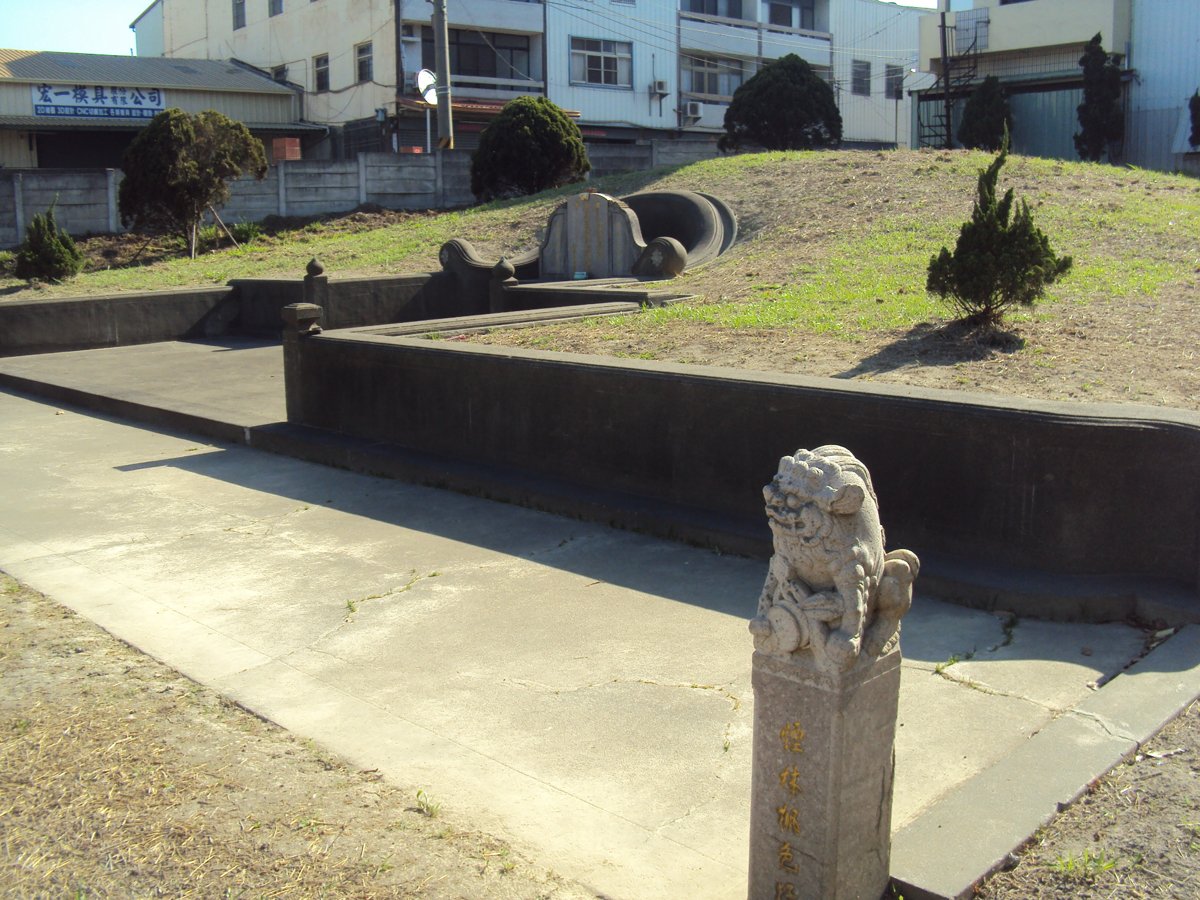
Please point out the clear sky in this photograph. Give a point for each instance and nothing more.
(92, 26)
(77, 26)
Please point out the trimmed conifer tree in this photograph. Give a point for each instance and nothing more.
(1101, 119)
(986, 117)
(785, 106)
(49, 253)
(1001, 257)
(531, 146)
(1194, 112)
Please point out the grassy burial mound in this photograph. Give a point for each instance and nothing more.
(828, 276)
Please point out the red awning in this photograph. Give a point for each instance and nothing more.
(472, 105)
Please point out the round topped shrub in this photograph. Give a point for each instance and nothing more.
(531, 146)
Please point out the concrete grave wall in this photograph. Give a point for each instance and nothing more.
(245, 306)
(1110, 494)
(46, 326)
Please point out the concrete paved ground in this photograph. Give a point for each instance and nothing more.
(581, 691)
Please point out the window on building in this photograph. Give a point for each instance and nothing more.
(780, 14)
(239, 14)
(480, 53)
(713, 75)
(860, 77)
(274, 7)
(808, 14)
(601, 62)
(971, 30)
(321, 73)
(728, 9)
(279, 73)
(793, 14)
(363, 65)
(894, 82)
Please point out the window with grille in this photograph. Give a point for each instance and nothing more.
(482, 54)
(239, 14)
(363, 63)
(321, 73)
(601, 62)
(860, 77)
(894, 82)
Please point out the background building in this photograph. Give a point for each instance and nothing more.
(633, 69)
(51, 102)
(1033, 47)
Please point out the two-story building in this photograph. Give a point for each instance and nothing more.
(1034, 46)
(632, 69)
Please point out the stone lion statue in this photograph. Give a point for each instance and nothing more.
(830, 586)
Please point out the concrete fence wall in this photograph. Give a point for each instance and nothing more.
(1107, 495)
(87, 199)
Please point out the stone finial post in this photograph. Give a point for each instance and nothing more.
(504, 276)
(300, 320)
(316, 283)
(826, 677)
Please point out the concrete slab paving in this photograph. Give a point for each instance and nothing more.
(581, 691)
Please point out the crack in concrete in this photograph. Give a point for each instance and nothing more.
(1106, 726)
(688, 813)
(972, 684)
(735, 702)
(352, 605)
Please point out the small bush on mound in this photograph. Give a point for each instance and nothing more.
(1001, 258)
(48, 253)
(531, 146)
(1101, 118)
(1194, 114)
(986, 117)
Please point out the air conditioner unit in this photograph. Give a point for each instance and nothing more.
(693, 109)
(659, 87)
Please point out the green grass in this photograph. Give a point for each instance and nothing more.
(1085, 866)
(1131, 234)
(840, 295)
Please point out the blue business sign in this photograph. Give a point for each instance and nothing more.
(97, 101)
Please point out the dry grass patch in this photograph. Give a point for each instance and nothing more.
(121, 778)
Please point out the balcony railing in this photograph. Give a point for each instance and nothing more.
(495, 86)
(748, 38)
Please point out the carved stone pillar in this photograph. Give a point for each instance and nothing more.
(300, 320)
(826, 677)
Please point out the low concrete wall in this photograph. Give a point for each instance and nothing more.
(87, 199)
(607, 159)
(246, 306)
(47, 326)
(1109, 493)
(348, 302)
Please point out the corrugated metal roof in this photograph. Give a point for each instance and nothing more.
(52, 67)
(59, 123)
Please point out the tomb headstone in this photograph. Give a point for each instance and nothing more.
(592, 235)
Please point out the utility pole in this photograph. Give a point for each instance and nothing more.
(441, 58)
(946, 98)
(398, 12)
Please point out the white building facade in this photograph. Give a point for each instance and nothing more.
(631, 69)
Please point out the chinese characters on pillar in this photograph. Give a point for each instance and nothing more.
(99, 101)
(791, 738)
